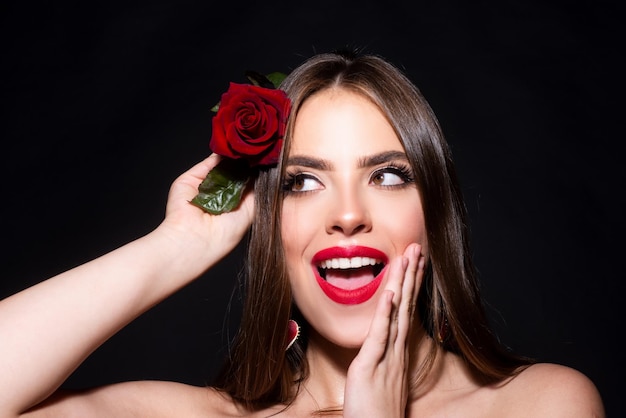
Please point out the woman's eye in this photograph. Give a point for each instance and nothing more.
(302, 183)
(389, 177)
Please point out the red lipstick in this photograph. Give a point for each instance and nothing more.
(349, 296)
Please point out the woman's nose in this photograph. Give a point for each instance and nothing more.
(348, 215)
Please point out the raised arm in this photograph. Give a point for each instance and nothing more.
(47, 330)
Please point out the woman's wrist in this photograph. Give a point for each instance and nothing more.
(186, 253)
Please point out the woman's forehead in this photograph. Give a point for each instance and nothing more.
(338, 120)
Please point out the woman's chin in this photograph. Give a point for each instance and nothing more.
(349, 339)
(345, 327)
(351, 345)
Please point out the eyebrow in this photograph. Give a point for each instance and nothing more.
(367, 161)
(381, 158)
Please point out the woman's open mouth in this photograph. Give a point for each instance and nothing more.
(349, 275)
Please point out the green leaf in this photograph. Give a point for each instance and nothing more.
(222, 188)
(276, 78)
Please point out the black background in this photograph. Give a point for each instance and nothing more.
(105, 103)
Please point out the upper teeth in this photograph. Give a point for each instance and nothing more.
(347, 263)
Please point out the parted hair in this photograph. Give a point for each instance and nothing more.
(258, 371)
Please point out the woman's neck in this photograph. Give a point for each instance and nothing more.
(328, 368)
(329, 363)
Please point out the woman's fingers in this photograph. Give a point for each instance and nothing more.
(201, 169)
(384, 327)
(407, 302)
(377, 340)
(377, 383)
(220, 233)
(186, 185)
(392, 320)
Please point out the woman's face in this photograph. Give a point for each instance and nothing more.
(351, 206)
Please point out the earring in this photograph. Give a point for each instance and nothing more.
(293, 333)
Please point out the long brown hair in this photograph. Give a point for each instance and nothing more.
(259, 372)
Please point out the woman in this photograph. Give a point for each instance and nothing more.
(369, 254)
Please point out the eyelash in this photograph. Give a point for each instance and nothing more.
(401, 170)
(290, 179)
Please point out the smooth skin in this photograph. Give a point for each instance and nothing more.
(348, 189)
(50, 328)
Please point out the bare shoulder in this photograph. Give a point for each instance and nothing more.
(140, 398)
(551, 390)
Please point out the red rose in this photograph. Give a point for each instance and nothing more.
(250, 124)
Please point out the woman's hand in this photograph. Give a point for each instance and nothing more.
(220, 233)
(377, 384)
